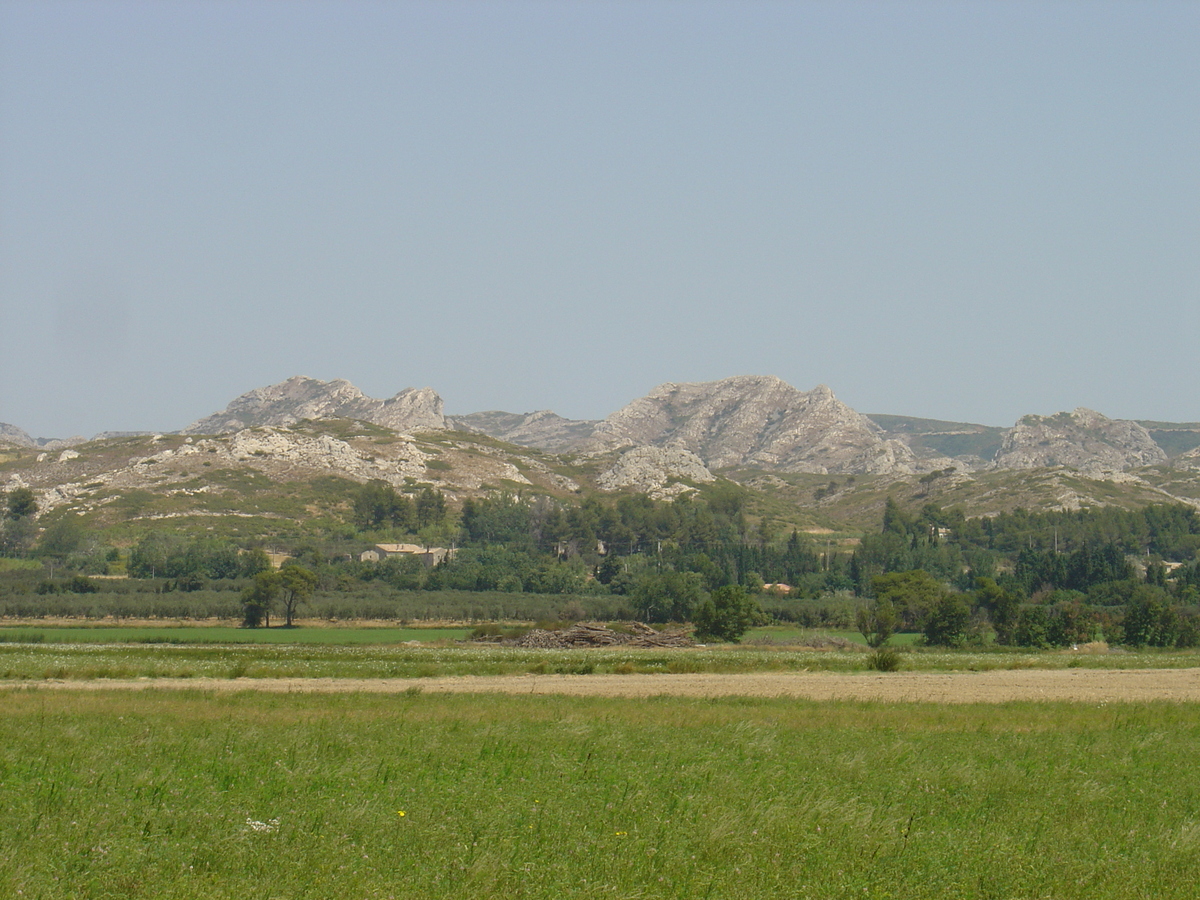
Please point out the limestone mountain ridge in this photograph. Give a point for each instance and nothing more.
(758, 421)
(748, 421)
(758, 431)
(299, 398)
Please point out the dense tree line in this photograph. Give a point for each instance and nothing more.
(1168, 531)
(1029, 579)
(378, 505)
(1038, 580)
(192, 562)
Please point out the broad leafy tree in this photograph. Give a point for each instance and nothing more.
(947, 621)
(296, 585)
(913, 594)
(666, 596)
(260, 598)
(1003, 608)
(1150, 620)
(726, 614)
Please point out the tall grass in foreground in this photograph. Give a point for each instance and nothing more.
(352, 796)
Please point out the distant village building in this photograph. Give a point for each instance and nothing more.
(565, 549)
(431, 556)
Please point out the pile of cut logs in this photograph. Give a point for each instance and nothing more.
(595, 634)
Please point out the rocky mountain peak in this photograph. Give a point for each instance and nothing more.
(759, 421)
(11, 434)
(413, 409)
(1082, 439)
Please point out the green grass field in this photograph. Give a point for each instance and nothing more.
(194, 795)
(337, 635)
(50, 651)
(219, 634)
(20, 661)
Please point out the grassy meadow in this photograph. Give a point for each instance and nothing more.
(33, 660)
(31, 652)
(203, 794)
(166, 794)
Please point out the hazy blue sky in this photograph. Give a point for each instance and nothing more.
(961, 210)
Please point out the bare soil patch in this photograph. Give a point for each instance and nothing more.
(998, 686)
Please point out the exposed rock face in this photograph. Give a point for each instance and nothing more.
(11, 434)
(287, 452)
(14, 436)
(655, 471)
(1083, 439)
(757, 421)
(300, 398)
(544, 429)
(1189, 460)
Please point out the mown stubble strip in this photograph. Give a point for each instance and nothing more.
(997, 686)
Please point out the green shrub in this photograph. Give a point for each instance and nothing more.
(884, 659)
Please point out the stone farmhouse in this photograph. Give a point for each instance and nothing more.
(431, 556)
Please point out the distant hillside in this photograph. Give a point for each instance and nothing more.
(932, 437)
(278, 479)
(271, 472)
(544, 429)
(1175, 438)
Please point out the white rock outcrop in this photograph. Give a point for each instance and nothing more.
(1083, 439)
(298, 398)
(758, 421)
(655, 471)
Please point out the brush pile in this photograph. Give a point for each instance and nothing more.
(596, 634)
